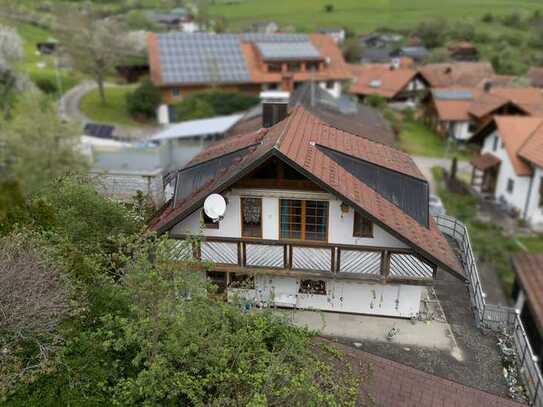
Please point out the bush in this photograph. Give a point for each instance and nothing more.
(212, 103)
(137, 20)
(513, 20)
(433, 33)
(144, 101)
(46, 85)
(328, 8)
(376, 101)
(488, 18)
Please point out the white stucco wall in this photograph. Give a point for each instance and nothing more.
(335, 91)
(395, 300)
(517, 198)
(534, 213)
(459, 130)
(340, 225)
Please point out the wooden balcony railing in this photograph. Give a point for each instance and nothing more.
(309, 258)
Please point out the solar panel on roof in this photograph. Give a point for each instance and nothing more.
(288, 51)
(447, 94)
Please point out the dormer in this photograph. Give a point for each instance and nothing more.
(292, 57)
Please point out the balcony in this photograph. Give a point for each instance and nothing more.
(307, 259)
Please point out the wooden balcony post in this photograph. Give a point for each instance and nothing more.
(385, 264)
(338, 260)
(332, 259)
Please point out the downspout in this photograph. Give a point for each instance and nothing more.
(528, 198)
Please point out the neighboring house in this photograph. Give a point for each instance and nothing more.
(376, 55)
(510, 166)
(535, 76)
(458, 112)
(247, 62)
(186, 139)
(343, 113)
(337, 33)
(381, 40)
(528, 297)
(463, 51)
(457, 74)
(178, 19)
(392, 82)
(416, 53)
(316, 218)
(266, 27)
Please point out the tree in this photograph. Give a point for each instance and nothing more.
(34, 300)
(94, 46)
(433, 33)
(41, 147)
(352, 50)
(144, 100)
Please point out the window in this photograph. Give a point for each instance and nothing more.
(303, 220)
(312, 287)
(176, 92)
(242, 281)
(472, 127)
(540, 192)
(251, 217)
(362, 227)
(208, 222)
(330, 84)
(294, 66)
(495, 146)
(510, 185)
(312, 66)
(275, 67)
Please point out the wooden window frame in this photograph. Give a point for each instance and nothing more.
(208, 224)
(241, 217)
(303, 220)
(362, 218)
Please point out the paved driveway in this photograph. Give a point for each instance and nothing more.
(425, 164)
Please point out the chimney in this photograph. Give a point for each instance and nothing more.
(274, 107)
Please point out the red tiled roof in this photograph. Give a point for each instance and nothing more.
(456, 74)
(154, 58)
(535, 75)
(393, 384)
(515, 131)
(526, 98)
(529, 269)
(294, 139)
(485, 161)
(392, 81)
(532, 149)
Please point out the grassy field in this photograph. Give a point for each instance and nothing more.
(114, 111)
(417, 139)
(362, 15)
(42, 66)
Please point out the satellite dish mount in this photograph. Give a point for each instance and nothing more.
(215, 207)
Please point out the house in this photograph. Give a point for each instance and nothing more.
(376, 55)
(315, 218)
(337, 33)
(380, 40)
(416, 53)
(528, 297)
(186, 139)
(344, 113)
(509, 168)
(535, 77)
(457, 74)
(458, 112)
(391, 81)
(463, 51)
(183, 63)
(177, 19)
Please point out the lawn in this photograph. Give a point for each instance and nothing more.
(114, 111)
(418, 139)
(361, 15)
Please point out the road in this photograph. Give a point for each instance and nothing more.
(425, 164)
(69, 110)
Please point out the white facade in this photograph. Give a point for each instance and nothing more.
(517, 196)
(340, 227)
(342, 295)
(459, 130)
(397, 300)
(335, 90)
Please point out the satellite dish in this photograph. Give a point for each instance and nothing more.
(215, 207)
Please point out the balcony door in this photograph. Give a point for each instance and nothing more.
(251, 217)
(303, 220)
